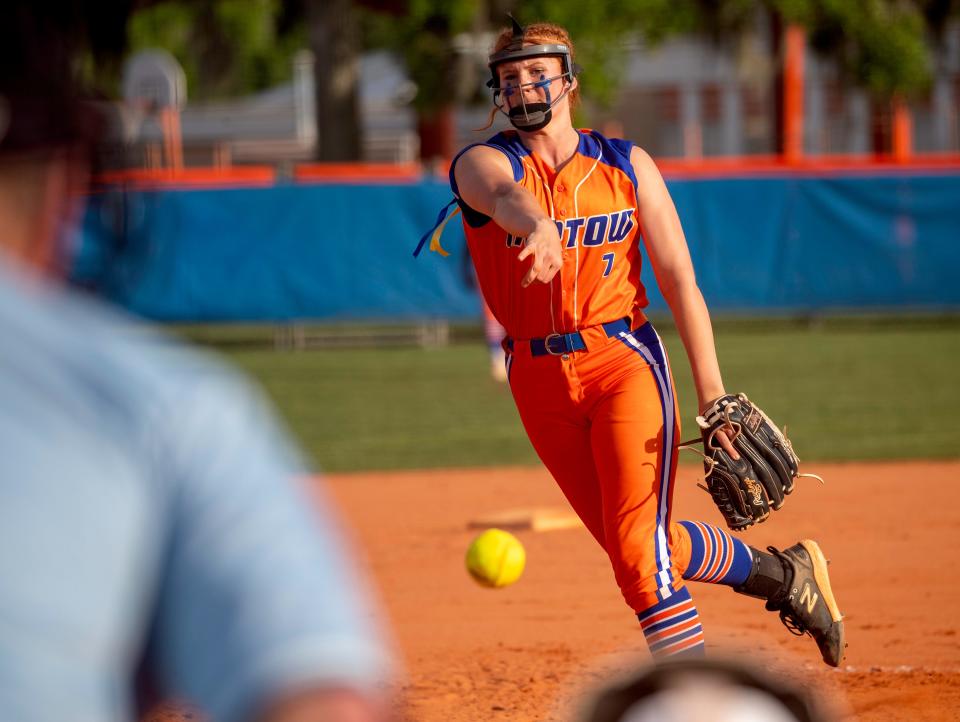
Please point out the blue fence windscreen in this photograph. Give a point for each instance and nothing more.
(340, 252)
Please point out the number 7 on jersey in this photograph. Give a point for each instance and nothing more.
(608, 259)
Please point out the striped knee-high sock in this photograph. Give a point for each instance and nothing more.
(716, 557)
(672, 626)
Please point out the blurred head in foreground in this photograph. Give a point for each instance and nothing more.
(47, 132)
(153, 535)
(704, 690)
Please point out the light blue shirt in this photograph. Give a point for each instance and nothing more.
(143, 486)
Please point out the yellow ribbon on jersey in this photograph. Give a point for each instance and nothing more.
(437, 230)
(435, 238)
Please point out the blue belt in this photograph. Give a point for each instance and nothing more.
(557, 344)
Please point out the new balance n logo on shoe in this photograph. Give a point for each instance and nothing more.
(809, 597)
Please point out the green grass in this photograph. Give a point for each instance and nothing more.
(847, 390)
(393, 408)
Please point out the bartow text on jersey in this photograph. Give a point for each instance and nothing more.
(590, 231)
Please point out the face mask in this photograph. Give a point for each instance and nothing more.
(533, 116)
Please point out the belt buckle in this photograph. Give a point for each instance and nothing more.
(546, 344)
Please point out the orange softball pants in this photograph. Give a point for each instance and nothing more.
(604, 422)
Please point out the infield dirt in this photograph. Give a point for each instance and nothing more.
(533, 650)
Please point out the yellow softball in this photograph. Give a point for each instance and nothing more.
(496, 558)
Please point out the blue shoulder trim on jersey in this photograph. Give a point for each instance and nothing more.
(509, 140)
(512, 148)
(616, 153)
(504, 146)
(588, 145)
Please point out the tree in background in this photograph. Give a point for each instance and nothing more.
(879, 45)
(226, 47)
(427, 35)
(334, 33)
(233, 47)
(230, 48)
(421, 33)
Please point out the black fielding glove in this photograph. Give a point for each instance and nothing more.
(746, 490)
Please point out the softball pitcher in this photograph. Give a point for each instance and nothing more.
(554, 217)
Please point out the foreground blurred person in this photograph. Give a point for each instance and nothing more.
(149, 515)
(706, 690)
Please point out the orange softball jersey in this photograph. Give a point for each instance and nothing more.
(593, 202)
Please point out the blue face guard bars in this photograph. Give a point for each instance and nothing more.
(530, 116)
